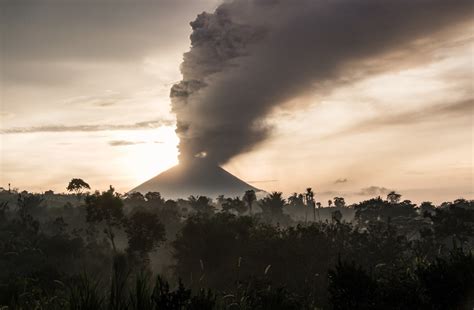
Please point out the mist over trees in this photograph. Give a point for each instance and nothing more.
(106, 250)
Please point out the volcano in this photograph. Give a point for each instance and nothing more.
(195, 177)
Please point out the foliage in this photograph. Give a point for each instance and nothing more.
(446, 283)
(235, 204)
(201, 204)
(339, 202)
(249, 198)
(144, 232)
(77, 185)
(393, 255)
(272, 208)
(107, 208)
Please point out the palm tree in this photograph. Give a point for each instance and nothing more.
(249, 198)
(293, 200)
(272, 205)
(310, 201)
(318, 205)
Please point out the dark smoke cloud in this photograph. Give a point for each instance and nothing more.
(251, 56)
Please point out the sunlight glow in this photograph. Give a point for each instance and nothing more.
(153, 151)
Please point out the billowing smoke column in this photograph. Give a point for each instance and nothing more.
(250, 56)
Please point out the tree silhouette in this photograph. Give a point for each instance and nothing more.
(427, 207)
(309, 197)
(272, 206)
(339, 202)
(77, 186)
(336, 216)
(201, 204)
(107, 208)
(394, 197)
(154, 198)
(249, 198)
(144, 232)
(234, 204)
(296, 200)
(220, 200)
(135, 199)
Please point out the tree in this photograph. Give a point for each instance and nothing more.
(29, 205)
(336, 216)
(201, 204)
(3, 210)
(296, 200)
(272, 206)
(154, 198)
(297, 206)
(107, 208)
(220, 200)
(454, 221)
(135, 196)
(145, 232)
(77, 186)
(394, 197)
(329, 203)
(309, 195)
(249, 198)
(234, 204)
(351, 287)
(134, 199)
(339, 202)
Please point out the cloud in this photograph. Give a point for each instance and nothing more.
(6, 115)
(373, 191)
(249, 57)
(76, 30)
(329, 193)
(124, 142)
(109, 98)
(440, 112)
(81, 35)
(88, 128)
(340, 181)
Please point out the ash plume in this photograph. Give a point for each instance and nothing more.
(251, 56)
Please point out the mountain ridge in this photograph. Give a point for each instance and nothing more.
(196, 177)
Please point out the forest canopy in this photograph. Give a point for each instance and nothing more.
(106, 250)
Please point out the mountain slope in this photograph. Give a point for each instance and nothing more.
(198, 177)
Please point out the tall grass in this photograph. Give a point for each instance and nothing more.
(85, 294)
(118, 287)
(141, 295)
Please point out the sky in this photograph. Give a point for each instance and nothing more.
(85, 87)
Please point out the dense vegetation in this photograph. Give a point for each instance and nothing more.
(111, 251)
